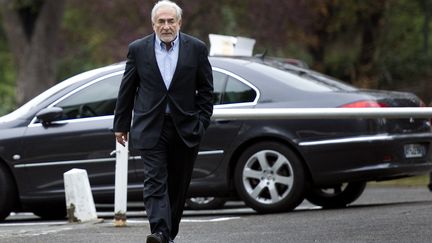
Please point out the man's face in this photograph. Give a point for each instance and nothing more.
(166, 24)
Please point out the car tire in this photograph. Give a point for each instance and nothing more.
(52, 213)
(8, 193)
(270, 178)
(205, 203)
(338, 196)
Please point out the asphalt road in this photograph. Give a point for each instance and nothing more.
(379, 215)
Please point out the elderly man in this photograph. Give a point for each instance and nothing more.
(168, 85)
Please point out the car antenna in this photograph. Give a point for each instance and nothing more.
(262, 55)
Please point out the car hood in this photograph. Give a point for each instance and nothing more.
(9, 121)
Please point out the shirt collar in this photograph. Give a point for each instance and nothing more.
(174, 43)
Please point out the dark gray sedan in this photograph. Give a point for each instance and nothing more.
(272, 165)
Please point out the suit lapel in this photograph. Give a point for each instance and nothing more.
(182, 56)
(150, 51)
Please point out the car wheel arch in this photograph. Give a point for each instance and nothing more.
(14, 201)
(4, 165)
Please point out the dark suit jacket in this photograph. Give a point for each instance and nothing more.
(190, 94)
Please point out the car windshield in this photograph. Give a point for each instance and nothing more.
(46, 94)
(36, 100)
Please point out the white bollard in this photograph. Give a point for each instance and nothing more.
(79, 199)
(121, 177)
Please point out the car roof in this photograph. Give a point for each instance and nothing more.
(248, 68)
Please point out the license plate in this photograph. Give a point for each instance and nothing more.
(414, 151)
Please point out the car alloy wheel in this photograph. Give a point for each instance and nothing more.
(203, 203)
(270, 178)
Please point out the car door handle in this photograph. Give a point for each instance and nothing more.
(114, 152)
(222, 121)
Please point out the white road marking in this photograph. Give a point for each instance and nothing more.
(209, 220)
(308, 207)
(33, 224)
(145, 221)
(31, 232)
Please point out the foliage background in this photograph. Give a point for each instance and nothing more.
(7, 77)
(373, 44)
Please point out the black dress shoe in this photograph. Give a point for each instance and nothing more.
(156, 238)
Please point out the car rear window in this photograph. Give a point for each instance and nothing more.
(302, 80)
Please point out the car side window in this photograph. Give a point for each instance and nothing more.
(219, 83)
(237, 92)
(97, 99)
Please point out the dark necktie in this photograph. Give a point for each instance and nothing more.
(168, 45)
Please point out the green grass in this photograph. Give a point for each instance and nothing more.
(415, 181)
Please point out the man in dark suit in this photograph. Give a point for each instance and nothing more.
(168, 84)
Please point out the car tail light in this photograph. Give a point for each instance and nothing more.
(364, 104)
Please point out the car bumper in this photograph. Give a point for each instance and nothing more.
(365, 158)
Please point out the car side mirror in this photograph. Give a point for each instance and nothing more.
(50, 114)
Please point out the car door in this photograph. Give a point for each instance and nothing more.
(83, 139)
(230, 91)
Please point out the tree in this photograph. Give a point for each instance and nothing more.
(32, 28)
(370, 21)
(426, 6)
(373, 44)
(7, 77)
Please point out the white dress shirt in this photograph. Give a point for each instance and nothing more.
(167, 59)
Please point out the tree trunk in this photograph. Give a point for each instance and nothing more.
(32, 32)
(366, 76)
(318, 49)
(321, 33)
(426, 7)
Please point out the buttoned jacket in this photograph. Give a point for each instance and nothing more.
(143, 93)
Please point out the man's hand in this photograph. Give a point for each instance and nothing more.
(121, 137)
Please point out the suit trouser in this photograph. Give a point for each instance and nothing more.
(167, 173)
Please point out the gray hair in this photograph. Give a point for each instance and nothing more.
(166, 3)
